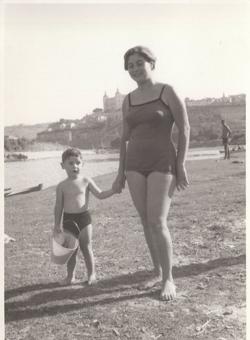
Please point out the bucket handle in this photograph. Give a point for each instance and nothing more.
(71, 224)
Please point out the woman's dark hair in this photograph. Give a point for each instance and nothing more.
(145, 52)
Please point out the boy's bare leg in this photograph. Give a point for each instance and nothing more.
(71, 266)
(85, 240)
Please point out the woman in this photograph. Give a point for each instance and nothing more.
(149, 161)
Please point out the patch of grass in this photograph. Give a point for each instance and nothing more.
(207, 224)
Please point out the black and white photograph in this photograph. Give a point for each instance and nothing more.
(124, 162)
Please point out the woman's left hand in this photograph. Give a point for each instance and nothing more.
(182, 180)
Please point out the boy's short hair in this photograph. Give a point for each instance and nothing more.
(71, 152)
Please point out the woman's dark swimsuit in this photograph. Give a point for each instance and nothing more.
(150, 147)
(75, 223)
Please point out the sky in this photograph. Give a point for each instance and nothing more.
(60, 58)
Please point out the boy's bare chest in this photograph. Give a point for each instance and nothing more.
(75, 189)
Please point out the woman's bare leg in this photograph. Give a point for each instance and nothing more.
(137, 184)
(159, 193)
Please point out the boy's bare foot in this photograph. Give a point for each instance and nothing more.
(150, 283)
(67, 281)
(168, 291)
(91, 279)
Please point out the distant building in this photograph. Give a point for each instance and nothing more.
(101, 118)
(10, 138)
(97, 115)
(62, 126)
(199, 102)
(239, 99)
(97, 110)
(111, 104)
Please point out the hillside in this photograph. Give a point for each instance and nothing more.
(205, 124)
(25, 131)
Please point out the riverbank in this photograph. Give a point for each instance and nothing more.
(44, 167)
(48, 150)
(207, 224)
(21, 154)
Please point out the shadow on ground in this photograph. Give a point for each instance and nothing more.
(115, 289)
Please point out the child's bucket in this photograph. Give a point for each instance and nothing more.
(62, 248)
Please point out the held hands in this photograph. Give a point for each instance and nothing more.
(118, 184)
(182, 180)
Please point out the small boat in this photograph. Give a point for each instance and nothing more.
(8, 192)
(7, 189)
(8, 239)
(14, 157)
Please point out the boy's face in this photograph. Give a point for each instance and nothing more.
(72, 166)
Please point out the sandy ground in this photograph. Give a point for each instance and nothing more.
(207, 224)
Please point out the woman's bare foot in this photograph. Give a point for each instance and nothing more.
(168, 291)
(68, 281)
(91, 279)
(150, 283)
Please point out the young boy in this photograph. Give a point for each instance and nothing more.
(72, 200)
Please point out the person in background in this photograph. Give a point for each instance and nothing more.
(226, 135)
(149, 160)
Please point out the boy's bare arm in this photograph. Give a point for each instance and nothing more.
(97, 192)
(58, 209)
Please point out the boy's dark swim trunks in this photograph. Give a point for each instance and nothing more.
(225, 140)
(80, 221)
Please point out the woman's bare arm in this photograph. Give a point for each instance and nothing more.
(120, 179)
(180, 116)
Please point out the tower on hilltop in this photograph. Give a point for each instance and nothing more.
(111, 104)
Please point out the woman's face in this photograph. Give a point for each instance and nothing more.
(138, 68)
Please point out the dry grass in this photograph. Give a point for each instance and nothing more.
(207, 223)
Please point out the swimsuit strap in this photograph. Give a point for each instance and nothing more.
(129, 99)
(160, 98)
(163, 87)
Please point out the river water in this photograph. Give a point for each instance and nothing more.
(44, 167)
